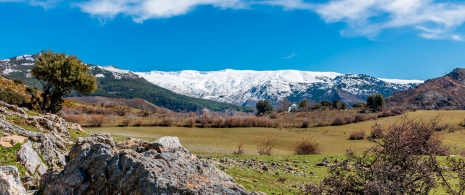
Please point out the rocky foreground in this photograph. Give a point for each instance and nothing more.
(99, 166)
(56, 164)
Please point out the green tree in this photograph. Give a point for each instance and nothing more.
(263, 107)
(59, 75)
(303, 105)
(375, 102)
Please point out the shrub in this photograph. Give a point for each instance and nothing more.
(12, 97)
(349, 119)
(403, 162)
(377, 131)
(219, 122)
(265, 145)
(73, 118)
(305, 124)
(339, 121)
(441, 127)
(138, 123)
(233, 122)
(190, 122)
(307, 147)
(124, 123)
(240, 147)
(167, 122)
(385, 113)
(357, 135)
(359, 118)
(96, 120)
(274, 115)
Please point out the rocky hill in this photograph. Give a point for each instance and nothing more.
(446, 92)
(116, 83)
(245, 87)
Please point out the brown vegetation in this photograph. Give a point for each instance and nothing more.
(307, 147)
(266, 144)
(357, 135)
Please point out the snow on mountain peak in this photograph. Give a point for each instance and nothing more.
(240, 86)
(399, 81)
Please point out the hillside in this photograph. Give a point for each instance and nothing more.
(446, 92)
(245, 87)
(116, 83)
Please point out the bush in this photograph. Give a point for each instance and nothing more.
(377, 131)
(138, 123)
(233, 122)
(240, 147)
(339, 121)
(349, 119)
(305, 124)
(357, 135)
(96, 120)
(190, 122)
(360, 118)
(12, 97)
(73, 118)
(124, 123)
(403, 162)
(265, 145)
(307, 147)
(167, 122)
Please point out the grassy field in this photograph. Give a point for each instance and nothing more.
(332, 139)
(220, 143)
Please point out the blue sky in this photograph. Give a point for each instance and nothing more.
(405, 39)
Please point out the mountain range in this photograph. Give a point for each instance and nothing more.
(229, 89)
(116, 83)
(246, 87)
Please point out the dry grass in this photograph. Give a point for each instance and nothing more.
(332, 139)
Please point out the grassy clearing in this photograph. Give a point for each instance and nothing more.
(332, 139)
(278, 179)
(9, 158)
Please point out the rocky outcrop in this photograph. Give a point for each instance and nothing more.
(50, 135)
(10, 183)
(98, 166)
(31, 160)
(47, 138)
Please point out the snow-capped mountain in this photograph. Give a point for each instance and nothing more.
(245, 87)
(241, 87)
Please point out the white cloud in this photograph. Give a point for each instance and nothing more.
(293, 55)
(141, 10)
(433, 20)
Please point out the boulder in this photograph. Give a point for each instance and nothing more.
(31, 160)
(97, 166)
(10, 183)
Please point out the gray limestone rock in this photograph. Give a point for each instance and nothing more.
(31, 160)
(10, 183)
(163, 167)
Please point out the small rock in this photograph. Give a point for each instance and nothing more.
(265, 168)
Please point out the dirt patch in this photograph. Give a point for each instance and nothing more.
(11, 140)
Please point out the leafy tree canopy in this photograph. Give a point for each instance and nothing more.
(263, 107)
(375, 102)
(60, 74)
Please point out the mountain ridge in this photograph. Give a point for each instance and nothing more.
(239, 87)
(117, 83)
(245, 87)
(445, 92)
